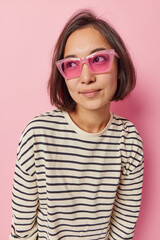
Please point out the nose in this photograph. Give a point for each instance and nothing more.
(87, 76)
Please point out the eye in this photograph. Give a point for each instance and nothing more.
(98, 59)
(70, 64)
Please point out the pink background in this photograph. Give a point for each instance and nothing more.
(28, 31)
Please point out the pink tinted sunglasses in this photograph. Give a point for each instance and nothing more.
(98, 62)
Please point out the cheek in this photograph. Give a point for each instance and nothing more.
(71, 86)
(110, 81)
(114, 82)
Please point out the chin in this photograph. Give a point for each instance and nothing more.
(95, 107)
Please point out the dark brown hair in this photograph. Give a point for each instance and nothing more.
(59, 94)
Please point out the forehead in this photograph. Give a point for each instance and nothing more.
(83, 41)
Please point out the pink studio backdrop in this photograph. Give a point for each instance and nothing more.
(28, 31)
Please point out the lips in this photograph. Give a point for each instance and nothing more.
(90, 93)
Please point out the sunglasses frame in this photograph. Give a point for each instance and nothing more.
(83, 60)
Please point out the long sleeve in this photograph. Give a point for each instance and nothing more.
(25, 195)
(128, 198)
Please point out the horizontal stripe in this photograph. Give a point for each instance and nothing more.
(79, 204)
(74, 154)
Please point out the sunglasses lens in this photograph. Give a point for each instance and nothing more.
(71, 68)
(100, 62)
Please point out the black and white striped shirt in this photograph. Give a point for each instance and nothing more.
(71, 185)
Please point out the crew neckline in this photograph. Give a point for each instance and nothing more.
(84, 133)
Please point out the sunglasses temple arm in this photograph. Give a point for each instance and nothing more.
(116, 55)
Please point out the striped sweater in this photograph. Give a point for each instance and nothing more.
(71, 185)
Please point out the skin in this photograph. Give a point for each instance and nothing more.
(92, 92)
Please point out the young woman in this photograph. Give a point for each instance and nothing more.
(79, 168)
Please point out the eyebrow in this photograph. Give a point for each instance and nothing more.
(93, 51)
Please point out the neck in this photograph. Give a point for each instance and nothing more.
(91, 121)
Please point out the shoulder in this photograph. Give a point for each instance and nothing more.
(39, 127)
(44, 121)
(42, 124)
(47, 117)
(131, 145)
(126, 128)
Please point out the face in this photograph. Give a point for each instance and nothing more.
(90, 91)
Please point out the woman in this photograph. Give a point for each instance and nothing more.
(79, 168)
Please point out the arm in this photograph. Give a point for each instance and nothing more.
(25, 194)
(128, 198)
(127, 205)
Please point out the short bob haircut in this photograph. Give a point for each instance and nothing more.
(58, 91)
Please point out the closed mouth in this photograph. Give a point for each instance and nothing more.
(90, 93)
